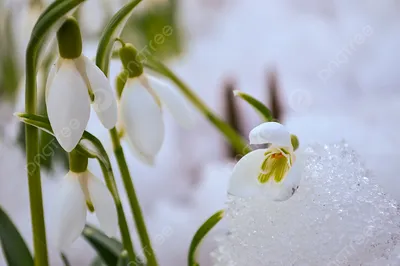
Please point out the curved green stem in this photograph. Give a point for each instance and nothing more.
(133, 199)
(230, 134)
(104, 50)
(46, 20)
(123, 226)
(109, 179)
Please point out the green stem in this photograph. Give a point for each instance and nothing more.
(233, 137)
(33, 167)
(104, 50)
(77, 161)
(123, 226)
(133, 200)
(50, 16)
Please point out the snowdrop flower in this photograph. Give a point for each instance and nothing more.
(80, 190)
(274, 171)
(143, 99)
(73, 83)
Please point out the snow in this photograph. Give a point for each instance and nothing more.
(338, 216)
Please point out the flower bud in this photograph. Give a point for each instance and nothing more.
(69, 39)
(128, 55)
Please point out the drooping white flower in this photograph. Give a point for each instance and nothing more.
(142, 102)
(275, 171)
(73, 83)
(78, 191)
(68, 100)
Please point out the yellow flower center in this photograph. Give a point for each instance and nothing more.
(276, 165)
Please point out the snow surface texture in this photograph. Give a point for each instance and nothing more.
(337, 217)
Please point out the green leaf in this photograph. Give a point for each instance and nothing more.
(89, 145)
(200, 234)
(14, 248)
(263, 110)
(112, 30)
(38, 121)
(54, 13)
(107, 248)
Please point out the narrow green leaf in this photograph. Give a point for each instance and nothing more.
(200, 234)
(263, 110)
(89, 145)
(38, 121)
(14, 248)
(54, 13)
(112, 30)
(107, 248)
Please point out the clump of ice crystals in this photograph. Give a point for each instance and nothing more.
(337, 217)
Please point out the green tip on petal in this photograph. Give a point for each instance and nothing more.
(295, 141)
(90, 206)
(130, 60)
(69, 39)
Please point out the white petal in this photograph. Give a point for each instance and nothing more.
(52, 73)
(147, 159)
(174, 101)
(142, 119)
(270, 132)
(70, 217)
(244, 181)
(68, 105)
(105, 103)
(103, 204)
(289, 185)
